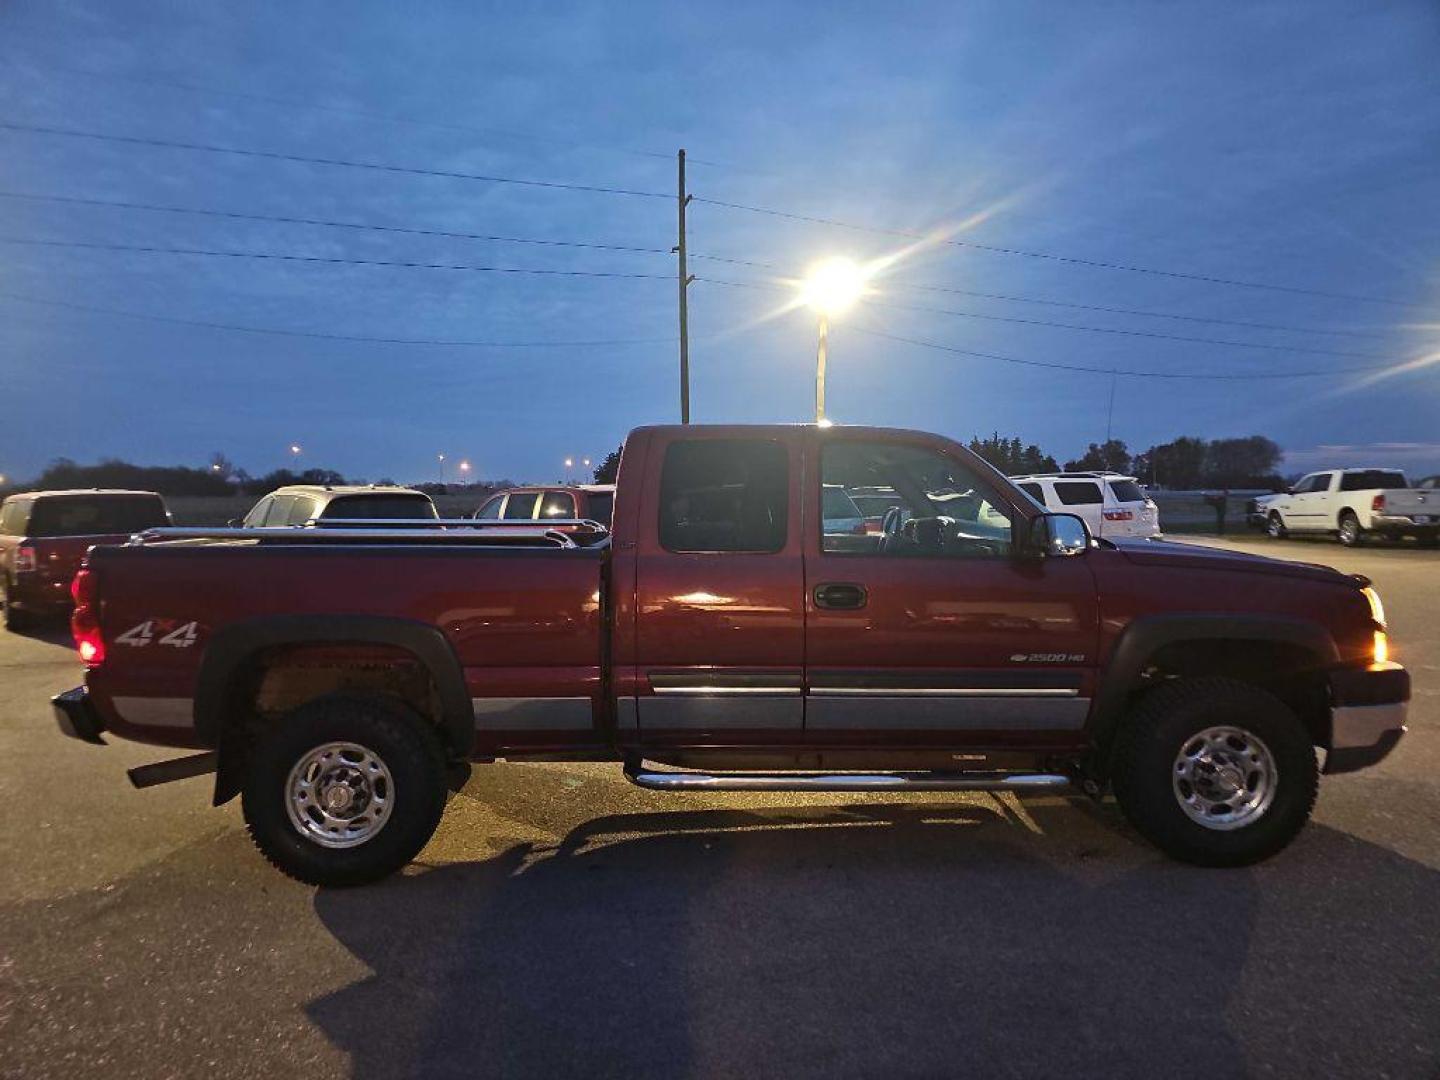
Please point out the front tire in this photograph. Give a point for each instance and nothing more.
(1215, 772)
(1275, 526)
(345, 790)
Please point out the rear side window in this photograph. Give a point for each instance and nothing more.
(724, 495)
(1127, 491)
(380, 506)
(521, 507)
(12, 518)
(600, 507)
(1371, 479)
(1035, 491)
(96, 515)
(557, 504)
(1078, 492)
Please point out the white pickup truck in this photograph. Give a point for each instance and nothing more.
(1353, 504)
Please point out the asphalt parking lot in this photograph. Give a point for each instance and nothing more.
(563, 923)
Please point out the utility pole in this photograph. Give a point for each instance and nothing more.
(820, 359)
(685, 280)
(1110, 417)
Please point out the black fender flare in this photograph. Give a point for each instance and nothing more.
(1146, 635)
(229, 650)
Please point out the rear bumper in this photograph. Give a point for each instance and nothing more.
(1367, 715)
(1393, 523)
(77, 717)
(30, 592)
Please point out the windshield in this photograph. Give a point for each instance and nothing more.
(837, 504)
(96, 515)
(380, 506)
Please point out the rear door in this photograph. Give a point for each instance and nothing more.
(719, 602)
(939, 635)
(1083, 497)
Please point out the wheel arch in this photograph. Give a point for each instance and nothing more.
(1298, 646)
(231, 656)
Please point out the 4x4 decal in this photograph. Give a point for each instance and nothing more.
(177, 637)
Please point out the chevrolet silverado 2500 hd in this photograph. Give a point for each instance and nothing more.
(721, 636)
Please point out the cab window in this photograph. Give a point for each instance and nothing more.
(256, 516)
(521, 506)
(724, 495)
(491, 510)
(279, 512)
(941, 507)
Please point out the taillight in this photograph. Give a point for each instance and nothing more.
(85, 620)
(1118, 515)
(1377, 504)
(25, 560)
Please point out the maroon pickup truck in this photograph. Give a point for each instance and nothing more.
(45, 534)
(722, 637)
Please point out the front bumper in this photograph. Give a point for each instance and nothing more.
(1367, 715)
(77, 716)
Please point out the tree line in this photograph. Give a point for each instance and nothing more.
(1185, 463)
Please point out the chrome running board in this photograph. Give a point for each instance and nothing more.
(676, 780)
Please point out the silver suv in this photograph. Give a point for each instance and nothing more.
(1111, 504)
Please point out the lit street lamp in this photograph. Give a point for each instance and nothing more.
(829, 289)
(465, 469)
(441, 458)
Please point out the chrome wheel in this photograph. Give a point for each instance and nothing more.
(1224, 778)
(339, 795)
(1275, 526)
(1349, 530)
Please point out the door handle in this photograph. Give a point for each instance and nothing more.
(840, 596)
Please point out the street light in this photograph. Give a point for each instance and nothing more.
(464, 466)
(829, 289)
(295, 450)
(441, 458)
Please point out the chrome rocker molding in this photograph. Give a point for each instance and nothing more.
(675, 780)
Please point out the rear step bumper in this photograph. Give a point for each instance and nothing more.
(675, 780)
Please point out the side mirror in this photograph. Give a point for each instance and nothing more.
(1058, 536)
(234, 523)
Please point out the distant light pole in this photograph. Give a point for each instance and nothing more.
(829, 289)
(294, 451)
(569, 464)
(441, 458)
(465, 470)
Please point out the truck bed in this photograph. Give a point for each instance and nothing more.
(521, 612)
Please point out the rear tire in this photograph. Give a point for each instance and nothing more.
(1275, 526)
(1350, 533)
(1215, 772)
(345, 790)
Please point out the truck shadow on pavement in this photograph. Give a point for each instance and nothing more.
(896, 940)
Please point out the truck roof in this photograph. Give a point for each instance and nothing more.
(345, 489)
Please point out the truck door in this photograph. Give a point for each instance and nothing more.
(930, 629)
(719, 589)
(1308, 508)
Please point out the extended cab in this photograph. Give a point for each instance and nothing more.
(1353, 504)
(45, 534)
(723, 637)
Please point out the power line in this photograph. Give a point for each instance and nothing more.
(1133, 373)
(364, 114)
(328, 259)
(1075, 326)
(1072, 260)
(409, 170)
(1140, 312)
(69, 305)
(365, 226)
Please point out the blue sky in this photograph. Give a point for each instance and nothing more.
(1291, 144)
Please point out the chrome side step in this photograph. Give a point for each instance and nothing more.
(677, 780)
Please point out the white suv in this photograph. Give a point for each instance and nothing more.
(1111, 504)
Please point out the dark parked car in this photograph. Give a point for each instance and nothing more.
(45, 534)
